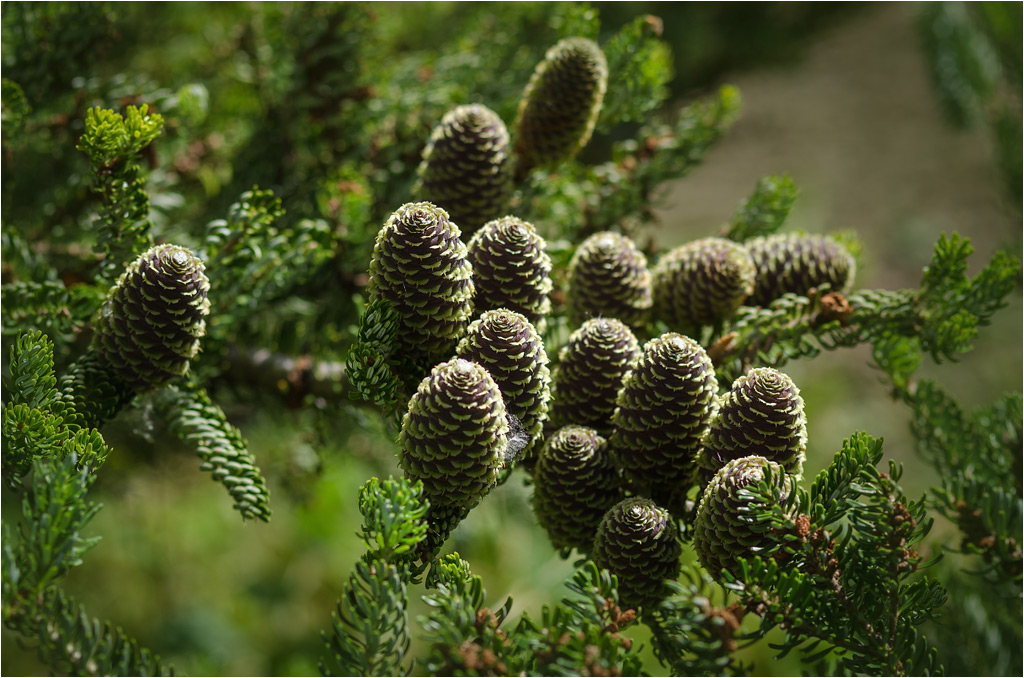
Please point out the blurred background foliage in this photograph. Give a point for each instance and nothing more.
(280, 95)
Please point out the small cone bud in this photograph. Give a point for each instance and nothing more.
(702, 282)
(637, 542)
(466, 168)
(419, 266)
(511, 269)
(608, 277)
(725, 527)
(154, 316)
(590, 370)
(798, 263)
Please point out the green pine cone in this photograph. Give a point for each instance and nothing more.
(590, 370)
(702, 282)
(466, 167)
(561, 104)
(153, 318)
(725, 526)
(511, 269)
(662, 411)
(795, 263)
(509, 348)
(574, 484)
(608, 277)
(762, 415)
(419, 266)
(94, 390)
(637, 542)
(455, 434)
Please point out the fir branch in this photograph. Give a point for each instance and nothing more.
(113, 144)
(372, 367)
(50, 306)
(765, 210)
(201, 423)
(394, 518)
(639, 69)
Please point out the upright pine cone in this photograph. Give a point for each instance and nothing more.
(763, 415)
(511, 269)
(795, 263)
(419, 266)
(637, 542)
(725, 527)
(561, 103)
(608, 277)
(466, 167)
(153, 317)
(506, 344)
(701, 282)
(454, 436)
(663, 409)
(590, 370)
(574, 484)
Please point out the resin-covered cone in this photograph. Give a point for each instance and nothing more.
(763, 415)
(511, 269)
(725, 526)
(153, 317)
(637, 542)
(608, 277)
(466, 167)
(561, 104)
(798, 263)
(454, 434)
(574, 484)
(419, 266)
(590, 370)
(702, 282)
(663, 409)
(507, 345)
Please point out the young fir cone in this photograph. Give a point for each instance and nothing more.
(561, 104)
(454, 434)
(574, 484)
(153, 317)
(702, 282)
(466, 167)
(509, 348)
(663, 408)
(637, 542)
(725, 526)
(419, 266)
(763, 415)
(511, 269)
(798, 263)
(608, 277)
(590, 370)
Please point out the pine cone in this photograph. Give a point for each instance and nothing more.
(725, 527)
(419, 266)
(798, 263)
(94, 390)
(608, 277)
(454, 435)
(663, 409)
(637, 542)
(763, 415)
(590, 370)
(507, 346)
(701, 282)
(561, 104)
(153, 318)
(466, 167)
(575, 483)
(511, 269)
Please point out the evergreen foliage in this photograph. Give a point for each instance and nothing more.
(392, 275)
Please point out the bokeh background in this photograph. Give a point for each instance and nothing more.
(839, 96)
